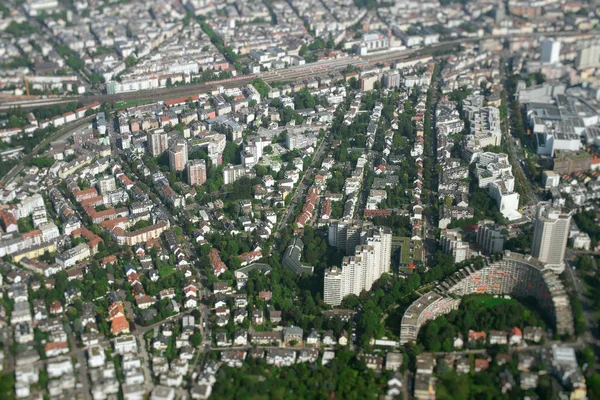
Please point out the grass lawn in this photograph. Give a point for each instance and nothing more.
(490, 301)
(165, 271)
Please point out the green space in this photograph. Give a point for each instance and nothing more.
(344, 377)
(480, 314)
(491, 301)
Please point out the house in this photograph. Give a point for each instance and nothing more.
(307, 355)
(292, 335)
(263, 338)
(463, 365)
(481, 364)
(329, 339)
(498, 337)
(507, 382)
(515, 336)
(222, 340)
(533, 334)
(266, 296)
(458, 342)
(257, 317)
(239, 316)
(343, 340)
(372, 361)
(525, 361)
(233, 358)
(327, 357)
(528, 380)
(281, 357)
(125, 344)
(275, 316)
(162, 393)
(240, 338)
(393, 361)
(313, 337)
(477, 337)
(119, 325)
(221, 287)
(241, 300)
(394, 385)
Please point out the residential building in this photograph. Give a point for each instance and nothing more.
(550, 235)
(196, 172)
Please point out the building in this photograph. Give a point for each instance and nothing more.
(106, 184)
(550, 179)
(515, 274)
(550, 51)
(178, 157)
(372, 257)
(490, 237)
(588, 57)
(451, 243)
(232, 173)
(196, 172)
(550, 235)
(390, 79)
(157, 142)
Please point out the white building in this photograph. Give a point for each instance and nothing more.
(451, 243)
(550, 51)
(360, 271)
(550, 235)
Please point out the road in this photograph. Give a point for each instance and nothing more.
(308, 70)
(58, 135)
(302, 185)
(82, 370)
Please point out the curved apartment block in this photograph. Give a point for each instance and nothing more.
(516, 275)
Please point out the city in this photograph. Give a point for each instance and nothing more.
(302, 199)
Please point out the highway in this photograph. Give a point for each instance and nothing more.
(288, 74)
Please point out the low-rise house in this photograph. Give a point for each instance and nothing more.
(275, 316)
(533, 333)
(329, 339)
(498, 337)
(281, 357)
(515, 336)
(481, 364)
(233, 358)
(264, 338)
(292, 335)
(240, 338)
(313, 338)
(307, 355)
(393, 361)
(222, 340)
(372, 361)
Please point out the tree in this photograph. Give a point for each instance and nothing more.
(196, 339)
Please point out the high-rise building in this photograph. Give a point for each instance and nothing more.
(451, 243)
(358, 272)
(490, 237)
(390, 79)
(157, 142)
(550, 51)
(178, 157)
(196, 173)
(333, 282)
(550, 235)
